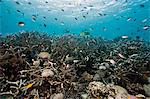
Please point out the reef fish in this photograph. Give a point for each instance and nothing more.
(83, 34)
(21, 24)
(146, 27)
(124, 37)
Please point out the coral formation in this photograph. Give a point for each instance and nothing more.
(36, 65)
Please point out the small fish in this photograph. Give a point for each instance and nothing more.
(142, 5)
(46, 2)
(83, 34)
(104, 14)
(146, 27)
(21, 24)
(124, 37)
(104, 29)
(100, 14)
(44, 17)
(45, 25)
(62, 23)
(28, 86)
(67, 31)
(91, 29)
(55, 18)
(128, 19)
(75, 18)
(90, 5)
(62, 10)
(84, 16)
(34, 17)
(137, 37)
(17, 3)
(29, 3)
(143, 21)
(134, 20)
(18, 11)
(85, 7)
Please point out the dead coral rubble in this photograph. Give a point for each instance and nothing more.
(34, 65)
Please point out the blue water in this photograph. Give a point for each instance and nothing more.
(105, 18)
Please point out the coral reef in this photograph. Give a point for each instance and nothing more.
(36, 65)
(98, 89)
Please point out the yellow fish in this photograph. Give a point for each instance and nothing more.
(29, 86)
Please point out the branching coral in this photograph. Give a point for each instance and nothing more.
(36, 65)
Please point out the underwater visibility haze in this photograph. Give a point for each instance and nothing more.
(74, 49)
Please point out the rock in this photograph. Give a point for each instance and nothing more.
(122, 96)
(111, 61)
(36, 63)
(140, 96)
(102, 67)
(105, 64)
(132, 97)
(100, 74)
(120, 89)
(149, 79)
(147, 89)
(44, 55)
(87, 76)
(97, 89)
(117, 91)
(121, 93)
(96, 77)
(46, 64)
(75, 61)
(69, 58)
(110, 97)
(57, 96)
(47, 73)
(84, 96)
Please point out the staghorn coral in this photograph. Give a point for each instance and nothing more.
(71, 62)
